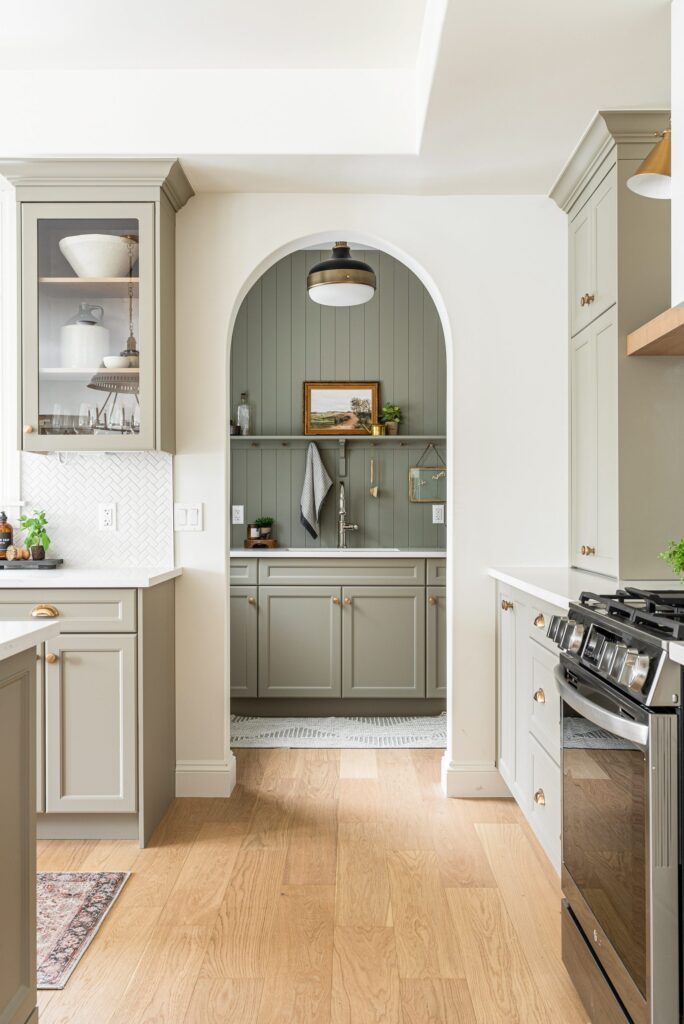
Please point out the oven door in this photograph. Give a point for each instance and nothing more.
(619, 840)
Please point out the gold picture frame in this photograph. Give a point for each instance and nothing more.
(336, 408)
(427, 484)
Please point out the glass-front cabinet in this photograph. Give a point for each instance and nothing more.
(88, 325)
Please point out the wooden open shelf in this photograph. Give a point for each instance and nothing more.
(71, 373)
(320, 438)
(662, 336)
(88, 280)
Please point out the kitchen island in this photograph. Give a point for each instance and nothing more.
(19, 642)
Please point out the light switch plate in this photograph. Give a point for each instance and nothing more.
(106, 517)
(238, 515)
(438, 514)
(188, 518)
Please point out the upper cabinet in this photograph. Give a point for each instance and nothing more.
(97, 304)
(593, 255)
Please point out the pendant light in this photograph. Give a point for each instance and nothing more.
(341, 280)
(653, 179)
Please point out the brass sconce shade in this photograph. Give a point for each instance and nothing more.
(653, 179)
(341, 280)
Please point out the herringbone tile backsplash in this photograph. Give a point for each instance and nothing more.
(70, 485)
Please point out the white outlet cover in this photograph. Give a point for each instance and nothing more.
(438, 514)
(106, 516)
(238, 512)
(188, 518)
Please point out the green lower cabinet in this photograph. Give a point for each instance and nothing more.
(300, 641)
(383, 641)
(243, 641)
(435, 639)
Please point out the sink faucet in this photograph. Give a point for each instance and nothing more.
(342, 525)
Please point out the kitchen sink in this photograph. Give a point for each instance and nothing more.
(336, 551)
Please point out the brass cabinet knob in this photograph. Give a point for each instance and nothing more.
(336, 600)
(539, 621)
(251, 600)
(432, 600)
(590, 299)
(506, 605)
(587, 299)
(44, 611)
(51, 658)
(539, 696)
(28, 429)
(539, 798)
(586, 550)
(347, 600)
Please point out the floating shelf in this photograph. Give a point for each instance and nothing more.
(89, 280)
(77, 373)
(320, 438)
(101, 287)
(662, 336)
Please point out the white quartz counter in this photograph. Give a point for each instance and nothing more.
(332, 553)
(83, 579)
(561, 585)
(16, 637)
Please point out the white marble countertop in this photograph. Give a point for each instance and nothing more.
(561, 585)
(332, 553)
(114, 579)
(21, 636)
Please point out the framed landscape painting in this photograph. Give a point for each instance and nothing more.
(340, 407)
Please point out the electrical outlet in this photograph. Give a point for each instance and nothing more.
(238, 515)
(106, 517)
(438, 514)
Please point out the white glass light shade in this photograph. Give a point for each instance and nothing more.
(651, 186)
(343, 294)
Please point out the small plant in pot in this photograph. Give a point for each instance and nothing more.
(265, 524)
(674, 556)
(36, 535)
(390, 415)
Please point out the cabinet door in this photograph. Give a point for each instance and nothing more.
(435, 637)
(593, 253)
(40, 729)
(583, 455)
(383, 642)
(300, 642)
(90, 723)
(581, 268)
(243, 641)
(506, 685)
(84, 301)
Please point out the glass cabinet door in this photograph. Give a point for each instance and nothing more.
(88, 326)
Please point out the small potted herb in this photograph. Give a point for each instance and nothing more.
(36, 536)
(390, 415)
(674, 556)
(265, 524)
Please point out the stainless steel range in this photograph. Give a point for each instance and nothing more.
(621, 749)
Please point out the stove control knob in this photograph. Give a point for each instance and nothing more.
(607, 656)
(554, 632)
(638, 672)
(575, 640)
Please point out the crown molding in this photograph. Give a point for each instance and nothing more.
(607, 129)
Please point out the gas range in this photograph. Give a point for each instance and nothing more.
(624, 639)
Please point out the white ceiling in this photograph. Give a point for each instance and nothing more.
(71, 34)
(447, 96)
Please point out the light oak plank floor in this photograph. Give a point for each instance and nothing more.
(333, 887)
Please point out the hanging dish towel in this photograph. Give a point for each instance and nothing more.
(317, 483)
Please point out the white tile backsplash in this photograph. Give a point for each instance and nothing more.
(71, 485)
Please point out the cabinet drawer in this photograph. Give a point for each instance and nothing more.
(436, 572)
(330, 572)
(79, 611)
(539, 615)
(545, 801)
(544, 700)
(244, 571)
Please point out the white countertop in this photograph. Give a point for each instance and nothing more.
(332, 553)
(48, 579)
(21, 636)
(561, 585)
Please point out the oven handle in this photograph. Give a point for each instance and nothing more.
(635, 732)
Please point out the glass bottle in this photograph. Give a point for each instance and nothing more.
(5, 536)
(242, 415)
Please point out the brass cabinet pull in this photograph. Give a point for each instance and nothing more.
(44, 611)
(336, 600)
(506, 605)
(251, 600)
(347, 600)
(587, 299)
(586, 550)
(539, 798)
(539, 621)
(539, 696)
(432, 600)
(51, 658)
(28, 429)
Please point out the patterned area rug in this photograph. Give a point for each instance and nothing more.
(71, 907)
(414, 731)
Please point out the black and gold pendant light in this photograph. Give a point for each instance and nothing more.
(341, 280)
(653, 178)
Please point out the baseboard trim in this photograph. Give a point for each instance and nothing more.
(205, 778)
(472, 780)
(87, 826)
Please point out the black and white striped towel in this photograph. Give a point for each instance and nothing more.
(317, 483)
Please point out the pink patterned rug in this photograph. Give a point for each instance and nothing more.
(71, 907)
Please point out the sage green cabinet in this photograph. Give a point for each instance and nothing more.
(593, 251)
(383, 642)
(300, 633)
(90, 723)
(40, 730)
(435, 641)
(243, 641)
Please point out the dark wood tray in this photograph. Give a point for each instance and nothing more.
(44, 563)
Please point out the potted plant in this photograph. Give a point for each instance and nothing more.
(265, 524)
(674, 556)
(390, 415)
(36, 536)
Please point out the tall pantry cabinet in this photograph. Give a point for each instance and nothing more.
(626, 414)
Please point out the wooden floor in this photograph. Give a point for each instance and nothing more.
(335, 887)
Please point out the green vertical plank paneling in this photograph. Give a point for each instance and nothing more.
(400, 507)
(371, 326)
(269, 488)
(284, 347)
(254, 343)
(432, 342)
(298, 368)
(298, 534)
(355, 484)
(416, 512)
(269, 378)
(252, 502)
(416, 353)
(238, 359)
(387, 495)
(342, 344)
(282, 512)
(313, 337)
(328, 360)
(238, 477)
(357, 361)
(328, 521)
(386, 285)
(400, 391)
(371, 536)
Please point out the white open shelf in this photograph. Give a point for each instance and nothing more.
(77, 373)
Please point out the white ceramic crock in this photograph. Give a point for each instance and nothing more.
(84, 346)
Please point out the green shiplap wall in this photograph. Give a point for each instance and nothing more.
(281, 339)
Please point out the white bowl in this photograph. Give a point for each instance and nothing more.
(116, 362)
(98, 255)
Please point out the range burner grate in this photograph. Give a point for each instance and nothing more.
(660, 611)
